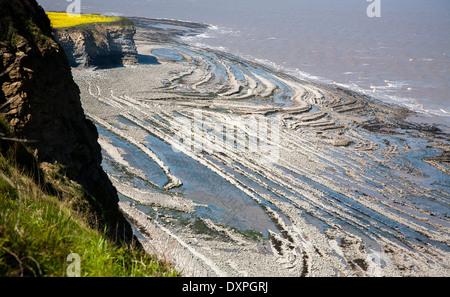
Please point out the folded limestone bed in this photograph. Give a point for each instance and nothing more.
(229, 168)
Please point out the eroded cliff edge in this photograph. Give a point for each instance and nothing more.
(99, 44)
(41, 103)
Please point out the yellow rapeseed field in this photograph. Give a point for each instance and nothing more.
(63, 20)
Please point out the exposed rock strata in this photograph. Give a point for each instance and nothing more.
(342, 185)
(98, 45)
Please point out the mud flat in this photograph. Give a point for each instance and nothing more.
(228, 168)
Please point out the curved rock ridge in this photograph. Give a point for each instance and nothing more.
(99, 44)
(333, 183)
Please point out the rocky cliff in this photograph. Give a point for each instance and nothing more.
(99, 45)
(41, 103)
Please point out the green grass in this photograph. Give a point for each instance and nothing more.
(38, 231)
(44, 216)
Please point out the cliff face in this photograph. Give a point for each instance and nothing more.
(41, 102)
(100, 45)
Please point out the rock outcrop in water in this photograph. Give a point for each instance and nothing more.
(41, 103)
(99, 45)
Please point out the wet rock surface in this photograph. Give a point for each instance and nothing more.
(235, 169)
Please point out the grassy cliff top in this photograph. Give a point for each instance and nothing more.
(39, 230)
(65, 20)
(44, 217)
(49, 210)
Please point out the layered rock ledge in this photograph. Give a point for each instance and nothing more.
(99, 44)
(229, 168)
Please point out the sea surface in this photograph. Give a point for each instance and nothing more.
(401, 57)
